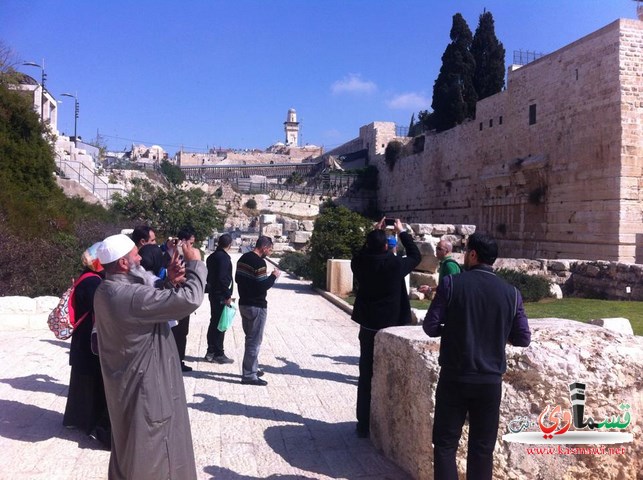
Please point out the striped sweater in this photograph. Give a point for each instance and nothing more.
(253, 280)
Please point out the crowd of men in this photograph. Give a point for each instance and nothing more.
(140, 297)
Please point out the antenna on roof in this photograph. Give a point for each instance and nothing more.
(639, 9)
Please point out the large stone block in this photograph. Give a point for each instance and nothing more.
(429, 261)
(610, 364)
(465, 230)
(300, 236)
(290, 225)
(308, 225)
(272, 230)
(267, 218)
(617, 324)
(423, 278)
(339, 277)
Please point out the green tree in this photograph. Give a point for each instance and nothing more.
(338, 233)
(454, 97)
(169, 210)
(50, 230)
(414, 128)
(489, 55)
(173, 173)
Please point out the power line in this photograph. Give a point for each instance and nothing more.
(153, 143)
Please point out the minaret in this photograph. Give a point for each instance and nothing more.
(291, 127)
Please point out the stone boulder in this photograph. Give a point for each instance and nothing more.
(562, 352)
(429, 261)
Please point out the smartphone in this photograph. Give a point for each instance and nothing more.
(389, 222)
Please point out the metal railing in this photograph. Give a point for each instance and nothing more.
(87, 178)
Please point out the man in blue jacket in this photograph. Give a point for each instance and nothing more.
(381, 301)
(476, 313)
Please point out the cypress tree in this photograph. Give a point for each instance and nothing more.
(454, 96)
(489, 55)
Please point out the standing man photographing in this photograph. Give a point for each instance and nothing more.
(381, 301)
(254, 282)
(151, 435)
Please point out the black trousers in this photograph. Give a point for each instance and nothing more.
(180, 333)
(367, 346)
(214, 336)
(453, 401)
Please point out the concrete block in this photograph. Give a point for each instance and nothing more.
(267, 218)
(272, 230)
(616, 324)
(339, 277)
(300, 236)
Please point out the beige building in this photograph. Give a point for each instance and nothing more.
(552, 166)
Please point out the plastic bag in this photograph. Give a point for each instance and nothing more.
(227, 316)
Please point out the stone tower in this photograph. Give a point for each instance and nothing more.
(291, 127)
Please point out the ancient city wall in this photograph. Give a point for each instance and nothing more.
(550, 166)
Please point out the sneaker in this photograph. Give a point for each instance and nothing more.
(222, 359)
(185, 368)
(209, 357)
(258, 382)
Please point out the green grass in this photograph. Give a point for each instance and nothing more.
(585, 309)
(581, 309)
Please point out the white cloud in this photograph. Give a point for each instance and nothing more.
(409, 101)
(352, 83)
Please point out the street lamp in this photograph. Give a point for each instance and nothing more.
(75, 113)
(42, 85)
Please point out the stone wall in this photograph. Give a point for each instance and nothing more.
(565, 186)
(562, 352)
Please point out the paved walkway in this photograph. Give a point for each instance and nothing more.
(301, 426)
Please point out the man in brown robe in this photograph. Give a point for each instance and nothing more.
(151, 437)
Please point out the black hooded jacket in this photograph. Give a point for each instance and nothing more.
(382, 300)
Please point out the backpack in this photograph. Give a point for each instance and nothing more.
(62, 319)
(460, 267)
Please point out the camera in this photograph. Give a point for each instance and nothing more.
(389, 222)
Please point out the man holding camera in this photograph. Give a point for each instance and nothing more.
(381, 301)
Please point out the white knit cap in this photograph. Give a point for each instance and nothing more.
(113, 248)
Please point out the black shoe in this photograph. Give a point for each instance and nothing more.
(259, 373)
(258, 382)
(209, 357)
(222, 359)
(185, 368)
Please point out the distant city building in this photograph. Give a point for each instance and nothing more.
(43, 102)
(154, 153)
(291, 127)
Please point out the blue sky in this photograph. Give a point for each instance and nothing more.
(216, 73)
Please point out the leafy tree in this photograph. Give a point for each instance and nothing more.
(51, 230)
(169, 210)
(489, 55)
(454, 97)
(173, 173)
(338, 233)
(426, 120)
(414, 128)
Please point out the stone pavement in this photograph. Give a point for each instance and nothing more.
(301, 426)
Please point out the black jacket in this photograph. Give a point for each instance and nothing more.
(219, 275)
(382, 300)
(80, 353)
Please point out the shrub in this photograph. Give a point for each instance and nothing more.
(251, 204)
(392, 153)
(532, 287)
(338, 233)
(297, 263)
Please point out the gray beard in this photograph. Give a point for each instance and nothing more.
(140, 275)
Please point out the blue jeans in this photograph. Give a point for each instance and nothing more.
(253, 320)
(453, 401)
